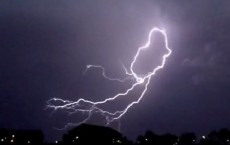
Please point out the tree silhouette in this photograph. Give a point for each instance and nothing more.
(187, 139)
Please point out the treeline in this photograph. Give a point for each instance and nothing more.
(221, 137)
(98, 135)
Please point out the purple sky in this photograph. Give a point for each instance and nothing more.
(45, 46)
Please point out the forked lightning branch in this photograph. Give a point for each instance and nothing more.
(90, 107)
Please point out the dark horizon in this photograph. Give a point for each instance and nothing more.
(93, 134)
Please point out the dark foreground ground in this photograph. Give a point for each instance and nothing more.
(98, 135)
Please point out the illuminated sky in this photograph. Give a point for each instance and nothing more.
(45, 46)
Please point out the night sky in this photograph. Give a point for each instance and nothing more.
(45, 46)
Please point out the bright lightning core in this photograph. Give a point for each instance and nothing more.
(90, 107)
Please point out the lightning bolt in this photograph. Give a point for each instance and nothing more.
(90, 66)
(91, 107)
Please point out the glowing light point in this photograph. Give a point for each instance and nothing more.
(88, 66)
